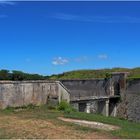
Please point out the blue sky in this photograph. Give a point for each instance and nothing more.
(54, 37)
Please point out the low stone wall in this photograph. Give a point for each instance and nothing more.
(20, 93)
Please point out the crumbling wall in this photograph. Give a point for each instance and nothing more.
(129, 107)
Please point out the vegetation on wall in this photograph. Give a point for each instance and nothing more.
(91, 74)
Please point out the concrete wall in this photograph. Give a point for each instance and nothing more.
(16, 93)
(86, 88)
(64, 93)
(80, 89)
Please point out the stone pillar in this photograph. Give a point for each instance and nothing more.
(88, 108)
(115, 111)
(107, 108)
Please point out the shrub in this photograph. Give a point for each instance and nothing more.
(63, 105)
(66, 107)
(68, 110)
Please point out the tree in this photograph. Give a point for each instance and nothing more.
(17, 75)
(4, 74)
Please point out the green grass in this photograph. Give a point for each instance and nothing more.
(100, 73)
(36, 113)
(128, 129)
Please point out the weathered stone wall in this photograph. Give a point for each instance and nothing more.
(87, 88)
(129, 107)
(64, 93)
(16, 93)
(92, 95)
(80, 89)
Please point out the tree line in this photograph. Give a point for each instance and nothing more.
(15, 75)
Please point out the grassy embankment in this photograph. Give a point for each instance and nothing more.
(91, 74)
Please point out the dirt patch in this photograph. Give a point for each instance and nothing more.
(91, 124)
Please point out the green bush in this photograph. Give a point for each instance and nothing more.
(68, 110)
(63, 105)
(66, 107)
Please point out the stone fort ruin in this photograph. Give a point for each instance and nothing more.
(114, 96)
(98, 95)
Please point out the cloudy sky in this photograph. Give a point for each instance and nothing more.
(53, 37)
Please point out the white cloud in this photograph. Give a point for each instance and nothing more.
(4, 3)
(98, 19)
(103, 56)
(63, 16)
(60, 61)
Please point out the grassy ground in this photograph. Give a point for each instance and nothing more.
(42, 123)
(128, 129)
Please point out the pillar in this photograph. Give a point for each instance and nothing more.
(88, 108)
(107, 108)
(115, 111)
